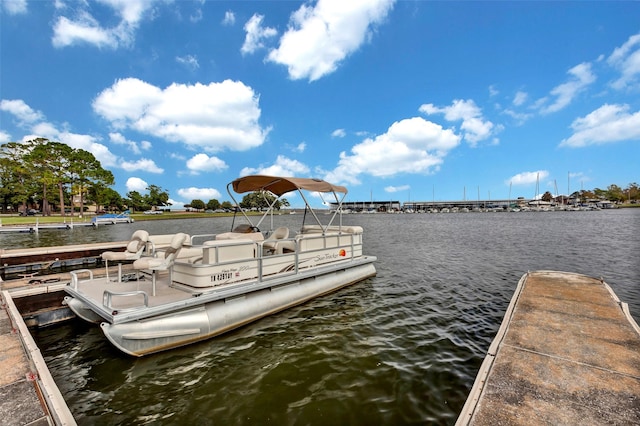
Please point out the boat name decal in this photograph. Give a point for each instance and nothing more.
(329, 256)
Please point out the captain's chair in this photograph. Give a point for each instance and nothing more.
(134, 250)
(155, 264)
(270, 245)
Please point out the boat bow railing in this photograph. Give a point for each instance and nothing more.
(75, 280)
(107, 299)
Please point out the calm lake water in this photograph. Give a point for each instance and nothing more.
(401, 348)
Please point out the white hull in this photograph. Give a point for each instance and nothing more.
(214, 318)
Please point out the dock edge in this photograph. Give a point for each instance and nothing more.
(469, 408)
(57, 406)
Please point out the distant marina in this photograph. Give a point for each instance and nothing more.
(464, 206)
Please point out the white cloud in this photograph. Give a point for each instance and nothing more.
(189, 61)
(256, 33)
(75, 140)
(475, 128)
(607, 124)
(15, 7)
(204, 194)
(143, 164)
(136, 184)
(34, 122)
(134, 147)
(338, 133)
(282, 167)
(581, 77)
(527, 178)
(229, 18)
(211, 117)
(520, 117)
(320, 36)
(203, 163)
(626, 59)
(413, 145)
(23, 112)
(4, 137)
(520, 98)
(393, 189)
(86, 29)
(301, 147)
(178, 205)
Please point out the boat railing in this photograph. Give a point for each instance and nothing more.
(200, 236)
(221, 262)
(75, 280)
(108, 295)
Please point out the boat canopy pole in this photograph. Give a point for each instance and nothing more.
(237, 208)
(338, 210)
(269, 209)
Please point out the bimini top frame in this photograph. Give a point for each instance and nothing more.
(278, 186)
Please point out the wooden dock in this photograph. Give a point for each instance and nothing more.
(34, 261)
(567, 352)
(28, 394)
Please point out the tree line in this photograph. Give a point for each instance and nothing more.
(50, 176)
(47, 175)
(613, 193)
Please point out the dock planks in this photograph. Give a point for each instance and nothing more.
(567, 353)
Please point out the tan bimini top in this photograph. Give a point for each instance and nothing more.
(282, 185)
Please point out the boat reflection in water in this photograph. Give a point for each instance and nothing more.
(201, 286)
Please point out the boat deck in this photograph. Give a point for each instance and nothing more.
(164, 293)
(567, 352)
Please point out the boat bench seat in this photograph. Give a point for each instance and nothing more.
(162, 241)
(254, 236)
(215, 251)
(317, 229)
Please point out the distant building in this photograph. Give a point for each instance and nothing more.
(368, 206)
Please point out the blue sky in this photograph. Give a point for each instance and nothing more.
(397, 100)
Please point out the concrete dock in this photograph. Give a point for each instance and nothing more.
(567, 352)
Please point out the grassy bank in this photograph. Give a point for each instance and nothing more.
(7, 220)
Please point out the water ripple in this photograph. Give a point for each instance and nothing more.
(401, 348)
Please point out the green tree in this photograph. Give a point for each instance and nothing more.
(16, 186)
(633, 191)
(261, 200)
(615, 193)
(87, 172)
(213, 204)
(226, 205)
(136, 201)
(197, 204)
(157, 196)
(49, 162)
(106, 197)
(547, 196)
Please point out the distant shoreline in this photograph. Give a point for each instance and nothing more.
(14, 219)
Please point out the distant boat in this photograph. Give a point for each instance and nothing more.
(112, 218)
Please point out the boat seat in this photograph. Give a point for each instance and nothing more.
(270, 245)
(155, 264)
(134, 250)
(161, 241)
